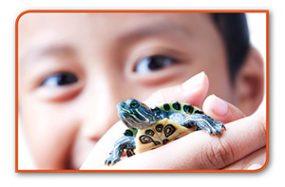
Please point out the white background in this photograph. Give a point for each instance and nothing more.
(272, 174)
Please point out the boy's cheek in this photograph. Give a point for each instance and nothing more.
(50, 134)
(220, 85)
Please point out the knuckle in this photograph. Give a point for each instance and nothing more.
(217, 154)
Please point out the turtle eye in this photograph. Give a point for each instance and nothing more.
(134, 104)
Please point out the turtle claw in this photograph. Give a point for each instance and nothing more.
(124, 143)
(108, 162)
(216, 128)
(206, 123)
(111, 161)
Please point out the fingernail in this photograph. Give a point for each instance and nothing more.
(220, 107)
(254, 166)
(194, 82)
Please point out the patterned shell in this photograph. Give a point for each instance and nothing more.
(159, 134)
(180, 107)
(164, 130)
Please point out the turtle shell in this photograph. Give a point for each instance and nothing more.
(158, 134)
(181, 108)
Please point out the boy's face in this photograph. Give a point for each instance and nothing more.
(74, 68)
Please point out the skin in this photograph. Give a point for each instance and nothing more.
(242, 145)
(105, 61)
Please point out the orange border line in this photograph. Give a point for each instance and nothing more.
(17, 170)
(16, 93)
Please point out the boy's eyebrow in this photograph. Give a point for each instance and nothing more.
(150, 29)
(155, 29)
(41, 51)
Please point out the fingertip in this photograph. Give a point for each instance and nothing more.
(215, 106)
(195, 89)
(254, 167)
(221, 110)
(192, 91)
(195, 81)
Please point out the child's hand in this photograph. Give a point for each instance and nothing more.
(197, 150)
(214, 107)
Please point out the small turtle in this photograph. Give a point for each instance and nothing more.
(149, 128)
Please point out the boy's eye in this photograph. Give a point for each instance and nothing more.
(153, 63)
(60, 79)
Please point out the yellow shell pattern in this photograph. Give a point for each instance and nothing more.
(159, 134)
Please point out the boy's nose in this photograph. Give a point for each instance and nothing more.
(99, 119)
(102, 93)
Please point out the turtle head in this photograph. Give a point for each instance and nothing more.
(135, 114)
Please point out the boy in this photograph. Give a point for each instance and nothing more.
(74, 68)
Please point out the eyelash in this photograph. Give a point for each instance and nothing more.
(60, 86)
(60, 79)
(154, 63)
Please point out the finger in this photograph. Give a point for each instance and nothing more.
(221, 110)
(97, 156)
(193, 91)
(198, 150)
(261, 112)
(255, 160)
(251, 162)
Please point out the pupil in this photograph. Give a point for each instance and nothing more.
(60, 79)
(66, 79)
(158, 62)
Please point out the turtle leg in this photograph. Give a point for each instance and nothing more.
(124, 143)
(204, 122)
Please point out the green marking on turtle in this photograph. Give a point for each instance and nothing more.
(188, 109)
(131, 132)
(166, 107)
(176, 106)
(149, 128)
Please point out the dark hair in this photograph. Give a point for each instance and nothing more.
(235, 34)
